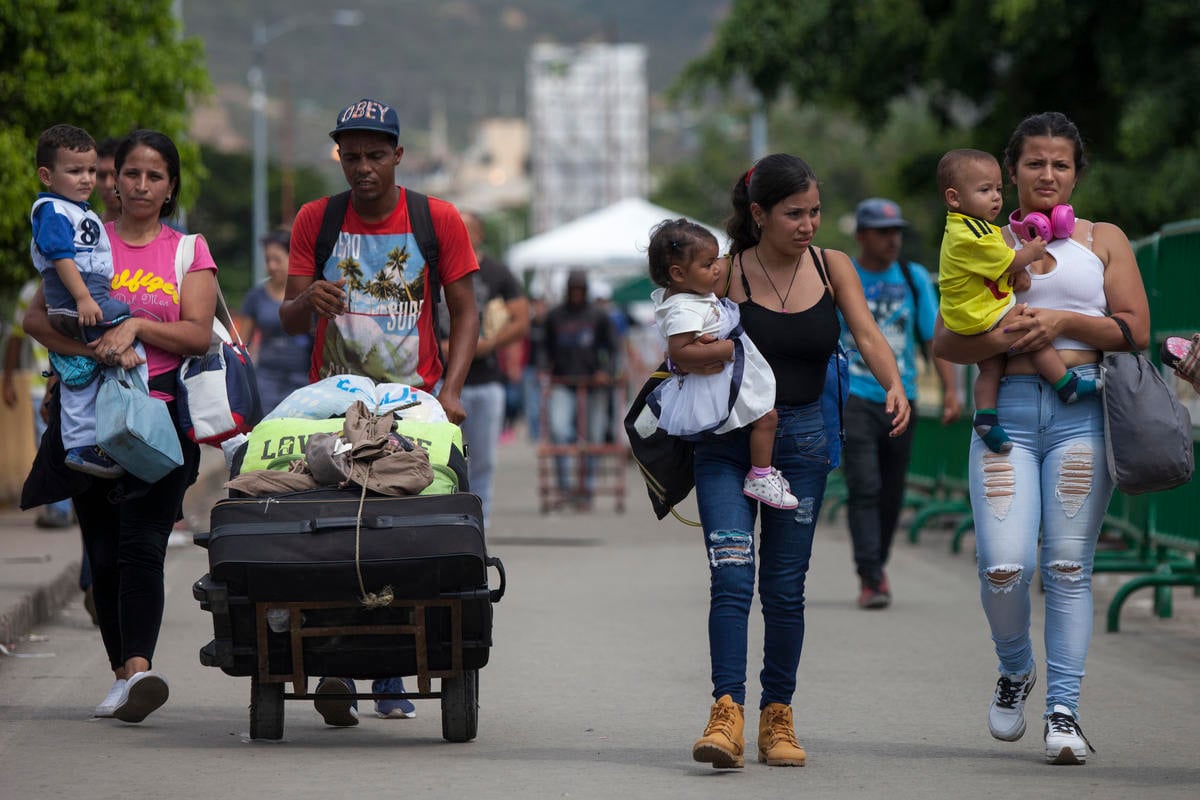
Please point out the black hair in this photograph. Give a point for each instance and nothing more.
(770, 180)
(161, 144)
(1048, 123)
(674, 241)
(280, 236)
(61, 137)
(949, 168)
(107, 148)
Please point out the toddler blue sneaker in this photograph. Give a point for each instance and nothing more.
(392, 709)
(93, 461)
(75, 371)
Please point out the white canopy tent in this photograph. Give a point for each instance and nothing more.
(609, 243)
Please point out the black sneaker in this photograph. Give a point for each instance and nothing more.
(333, 704)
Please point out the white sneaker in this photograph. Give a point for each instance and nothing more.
(770, 490)
(144, 693)
(1065, 742)
(1006, 716)
(109, 703)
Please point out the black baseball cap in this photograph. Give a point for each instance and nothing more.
(367, 115)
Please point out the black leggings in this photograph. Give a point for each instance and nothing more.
(126, 543)
(875, 466)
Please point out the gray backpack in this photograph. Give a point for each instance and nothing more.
(1147, 433)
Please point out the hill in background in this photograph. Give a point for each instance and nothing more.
(466, 59)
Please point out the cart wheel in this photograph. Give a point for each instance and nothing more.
(460, 706)
(266, 709)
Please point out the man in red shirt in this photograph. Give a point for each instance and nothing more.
(374, 304)
(372, 296)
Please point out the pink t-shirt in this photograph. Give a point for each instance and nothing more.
(144, 277)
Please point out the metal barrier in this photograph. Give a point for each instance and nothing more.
(950, 446)
(595, 460)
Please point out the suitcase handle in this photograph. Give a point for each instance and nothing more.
(494, 561)
(384, 521)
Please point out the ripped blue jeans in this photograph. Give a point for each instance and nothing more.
(1055, 479)
(783, 551)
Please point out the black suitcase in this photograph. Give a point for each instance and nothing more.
(305, 546)
(305, 551)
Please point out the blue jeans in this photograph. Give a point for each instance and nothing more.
(1056, 479)
(531, 402)
(784, 549)
(484, 403)
(563, 407)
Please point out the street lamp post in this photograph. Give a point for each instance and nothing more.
(264, 33)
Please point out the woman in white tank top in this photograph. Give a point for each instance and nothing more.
(1055, 478)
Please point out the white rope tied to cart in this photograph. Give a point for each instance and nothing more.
(385, 595)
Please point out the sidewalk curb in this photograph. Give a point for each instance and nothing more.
(40, 605)
(43, 602)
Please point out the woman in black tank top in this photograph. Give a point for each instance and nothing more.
(789, 293)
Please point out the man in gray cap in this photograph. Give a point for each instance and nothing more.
(901, 298)
(373, 289)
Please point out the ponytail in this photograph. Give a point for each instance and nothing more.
(740, 225)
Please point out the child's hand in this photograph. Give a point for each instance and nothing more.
(89, 313)
(1021, 281)
(130, 359)
(1037, 247)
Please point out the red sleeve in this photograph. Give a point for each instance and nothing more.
(456, 257)
(305, 228)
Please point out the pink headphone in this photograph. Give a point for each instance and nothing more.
(1059, 225)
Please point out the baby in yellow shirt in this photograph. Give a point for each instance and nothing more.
(978, 276)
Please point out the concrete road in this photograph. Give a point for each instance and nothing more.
(598, 684)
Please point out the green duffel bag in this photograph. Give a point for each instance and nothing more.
(276, 443)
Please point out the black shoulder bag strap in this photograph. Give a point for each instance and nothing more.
(906, 271)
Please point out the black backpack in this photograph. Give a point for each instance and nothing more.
(422, 228)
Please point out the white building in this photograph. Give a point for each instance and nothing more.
(588, 131)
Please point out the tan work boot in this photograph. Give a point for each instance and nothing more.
(777, 744)
(723, 744)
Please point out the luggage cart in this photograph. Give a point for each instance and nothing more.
(264, 631)
(596, 457)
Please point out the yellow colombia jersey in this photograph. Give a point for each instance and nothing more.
(972, 275)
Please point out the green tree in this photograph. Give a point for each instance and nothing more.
(850, 161)
(223, 211)
(1124, 72)
(108, 67)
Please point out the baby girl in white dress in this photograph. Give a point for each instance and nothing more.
(689, 314)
